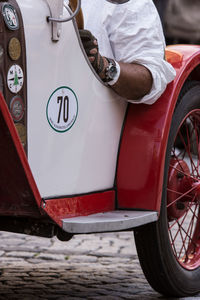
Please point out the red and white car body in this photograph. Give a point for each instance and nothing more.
(75, 158)
(110, 158)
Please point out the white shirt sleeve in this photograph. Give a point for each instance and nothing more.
(135, 34)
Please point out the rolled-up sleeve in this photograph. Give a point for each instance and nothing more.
(136, 36)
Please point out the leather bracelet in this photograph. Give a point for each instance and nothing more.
(101, 65)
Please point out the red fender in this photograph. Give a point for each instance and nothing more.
(141, 160)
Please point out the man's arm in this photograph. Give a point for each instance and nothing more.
(134, 82)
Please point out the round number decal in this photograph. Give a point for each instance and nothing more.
(62, 109)
(15, 78)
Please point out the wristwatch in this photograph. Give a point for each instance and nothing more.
(111, 70)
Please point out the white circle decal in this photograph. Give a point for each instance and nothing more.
(62, 109)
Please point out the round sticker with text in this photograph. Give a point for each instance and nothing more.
(62, 109)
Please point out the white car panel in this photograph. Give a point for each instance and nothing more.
(83, 158)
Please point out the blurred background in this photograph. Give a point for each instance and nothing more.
(181, 20)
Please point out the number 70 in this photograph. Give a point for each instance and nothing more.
(64, 103)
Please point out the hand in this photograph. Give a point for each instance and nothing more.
(90, 45)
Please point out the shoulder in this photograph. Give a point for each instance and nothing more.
(134, 10)
(135, 5)
(131, 13)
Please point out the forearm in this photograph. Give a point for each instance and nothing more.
(135, 81)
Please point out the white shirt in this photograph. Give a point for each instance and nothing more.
(131, 33)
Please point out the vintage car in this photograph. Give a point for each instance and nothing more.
(76, 160)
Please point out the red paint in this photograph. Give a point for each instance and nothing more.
(84, 205)
(18, 191)
(144, 140)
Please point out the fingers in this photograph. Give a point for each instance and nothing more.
(93, 53)
(90, 44)
(91, 59)
(86, 35)
(88, 40)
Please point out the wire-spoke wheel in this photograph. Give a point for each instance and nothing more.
(169, 250)
(183, 193)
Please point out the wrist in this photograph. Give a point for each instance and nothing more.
(111, 71)
(116, 75)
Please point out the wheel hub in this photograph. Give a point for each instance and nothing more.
(179, 183)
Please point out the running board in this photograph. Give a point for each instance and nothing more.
(116, 220)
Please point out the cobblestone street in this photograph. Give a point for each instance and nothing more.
(101, 266)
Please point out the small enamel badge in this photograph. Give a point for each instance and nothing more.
(17, 108)
(14, 48)
(21, 129)
(15, 78)
(10, 17)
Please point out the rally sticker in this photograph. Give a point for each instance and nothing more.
(17, 108)
(15, 78)
(62, 109)
(10, 17)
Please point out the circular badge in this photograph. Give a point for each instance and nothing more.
(62, 109)
(21, 129)
(17, 108)
(15, 78)
(14, 49)
(10, 16)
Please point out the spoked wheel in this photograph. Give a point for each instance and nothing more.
(169, 250)
(183, 193)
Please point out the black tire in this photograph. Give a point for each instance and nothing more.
(173, 269)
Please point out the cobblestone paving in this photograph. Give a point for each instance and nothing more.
(101, 266)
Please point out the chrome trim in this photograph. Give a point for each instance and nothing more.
(116, 220)
(73, 15)
(117, 1)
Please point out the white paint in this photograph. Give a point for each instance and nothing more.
(82, 159)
